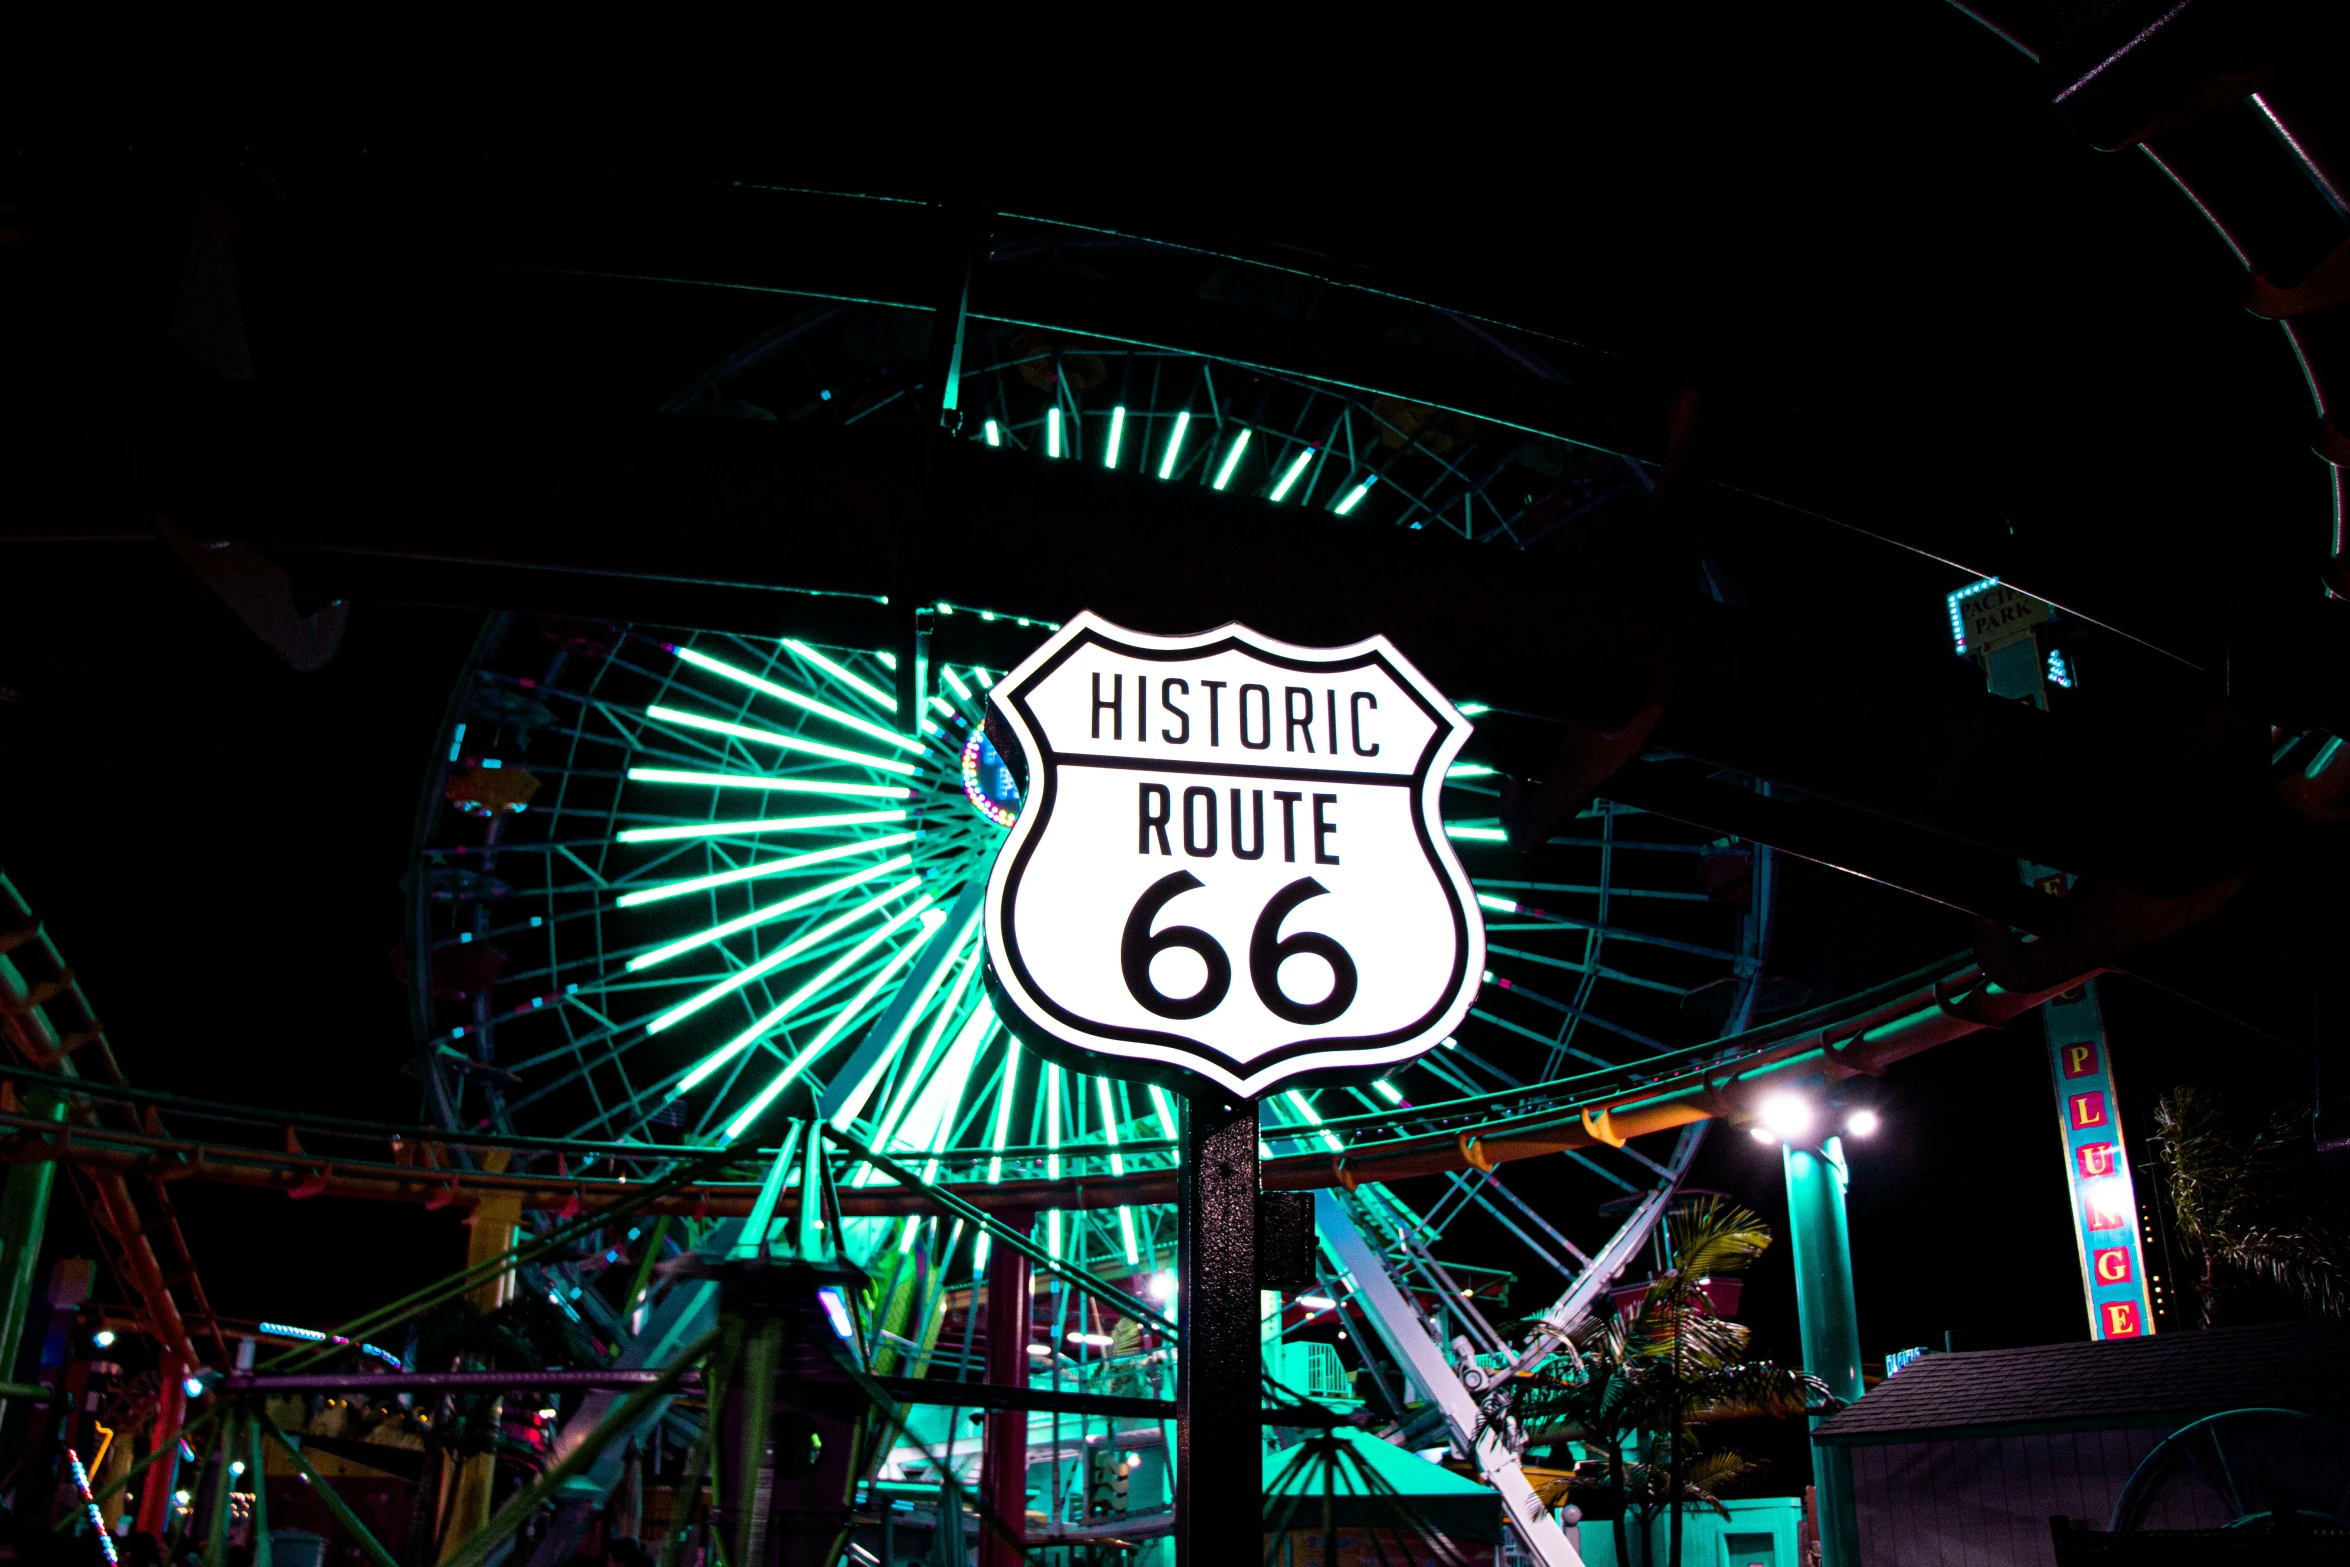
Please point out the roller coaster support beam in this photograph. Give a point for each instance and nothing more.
(1816, 1180)
(1003, 1472)
(1393, 1318)
(24, 1214)
(25, 1023)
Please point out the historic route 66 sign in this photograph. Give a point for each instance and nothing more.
(1230, 861)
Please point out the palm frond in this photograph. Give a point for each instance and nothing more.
(1717, 1237)
(2250, 1203)
(1755, 1388)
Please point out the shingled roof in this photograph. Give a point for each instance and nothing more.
(2168, 1379)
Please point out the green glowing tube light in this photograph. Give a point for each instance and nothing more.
(767, 824)
(887, 702)
(910, 1080)
(824, 710)
(1003, 1113)
(797, 999)
(1231, 459)
(1297, 471)
(848, 791)
(1052, 432)
(753, 872)
(1354, 497)
(1110, 1124)
(832, 1030)
(719, 726)
(954, 682)
(1117, 434)
(1314, 1119)
(1052, 1121)
(929, 1123)
(773, 911)
(854, 1104)
(1476, 834)
(784, 954)
(1052, 1158)
(995, 433)
(1175, 446)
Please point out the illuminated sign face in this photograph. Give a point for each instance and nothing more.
(2097, 1167)
(1229, 860)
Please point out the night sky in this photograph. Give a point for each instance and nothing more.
(1876, 212)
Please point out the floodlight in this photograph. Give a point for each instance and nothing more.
(1789, 1116)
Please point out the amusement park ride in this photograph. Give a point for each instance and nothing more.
(710, 1000)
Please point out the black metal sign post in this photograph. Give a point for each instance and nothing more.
(1219, 1464)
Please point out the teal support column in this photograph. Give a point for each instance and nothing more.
(24, 1215)
(1816, 1179)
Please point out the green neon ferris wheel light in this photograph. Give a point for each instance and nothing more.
(751, 903)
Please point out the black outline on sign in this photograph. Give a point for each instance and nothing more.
(1044, 790)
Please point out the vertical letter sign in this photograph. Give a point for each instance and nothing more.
(1231, 862)
(2097, 1167)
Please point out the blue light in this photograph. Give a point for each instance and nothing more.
(456, 742)
(1958, 621)
(193, 1387)
(282, 1330)
(837, 1309)
(824, 396)
(2059, 673)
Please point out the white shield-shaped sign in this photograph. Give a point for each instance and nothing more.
(1230, 860)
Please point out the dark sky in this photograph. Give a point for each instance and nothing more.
(1868, 205)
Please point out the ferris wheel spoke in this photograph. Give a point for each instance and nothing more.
(834, 978)
(807, 943)
(841, 788)
(800, 699)
(885, 701)
(755, 871)
(770, 913)
(710, 1111)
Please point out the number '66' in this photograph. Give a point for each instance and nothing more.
(1267, 951)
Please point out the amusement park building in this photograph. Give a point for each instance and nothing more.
(1962, 1460)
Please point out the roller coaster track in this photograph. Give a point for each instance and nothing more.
(50, 1025)
(1859, 1035)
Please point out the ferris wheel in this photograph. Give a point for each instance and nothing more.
(676, 884)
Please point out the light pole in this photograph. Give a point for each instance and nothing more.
(1816, 1179)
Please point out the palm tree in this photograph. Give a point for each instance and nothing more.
(2249, 1205)
(525, 1334)
(1668, 1365)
